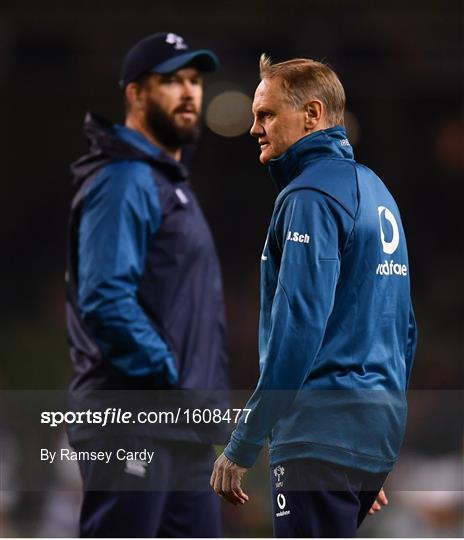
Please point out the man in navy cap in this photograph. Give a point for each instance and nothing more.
(145, 302)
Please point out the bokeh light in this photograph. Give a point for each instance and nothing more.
(229, 113)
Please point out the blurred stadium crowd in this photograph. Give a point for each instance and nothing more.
(403, 70)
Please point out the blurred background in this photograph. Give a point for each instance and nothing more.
(402, 65)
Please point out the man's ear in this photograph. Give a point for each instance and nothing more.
(134, 96)
(314, 112)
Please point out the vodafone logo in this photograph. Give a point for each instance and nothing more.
(391, 246)
(282, 503)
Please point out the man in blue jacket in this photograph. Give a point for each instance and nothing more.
(337, 333)
(145, 303)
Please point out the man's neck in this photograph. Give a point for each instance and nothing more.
(138, 126)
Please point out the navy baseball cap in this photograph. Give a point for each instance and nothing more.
(164, 52)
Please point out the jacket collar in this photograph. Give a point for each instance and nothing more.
(327, 143)
(136, 139)
(115, 142)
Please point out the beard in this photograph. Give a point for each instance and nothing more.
(164, 128)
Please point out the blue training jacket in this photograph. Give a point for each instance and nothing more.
(337, 332)
(145, 308)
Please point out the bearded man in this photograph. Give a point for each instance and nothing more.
(145, 302)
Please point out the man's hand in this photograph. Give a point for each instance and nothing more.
(380, 500)
(226, 479)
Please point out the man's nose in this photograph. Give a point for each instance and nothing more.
(187, 90)
(256, 129)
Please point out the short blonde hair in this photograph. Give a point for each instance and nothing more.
(304, 79)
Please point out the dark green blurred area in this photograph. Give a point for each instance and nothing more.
(38, 348)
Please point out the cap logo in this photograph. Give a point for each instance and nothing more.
(177, 41)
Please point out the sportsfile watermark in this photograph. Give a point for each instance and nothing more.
(113, 415)
(45, 436)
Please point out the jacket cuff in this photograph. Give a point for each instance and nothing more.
(242, 453)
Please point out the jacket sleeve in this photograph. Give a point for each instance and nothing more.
(307, 234)
(121, 211)
(411, 345)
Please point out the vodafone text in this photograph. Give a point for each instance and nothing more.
(391, 268)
